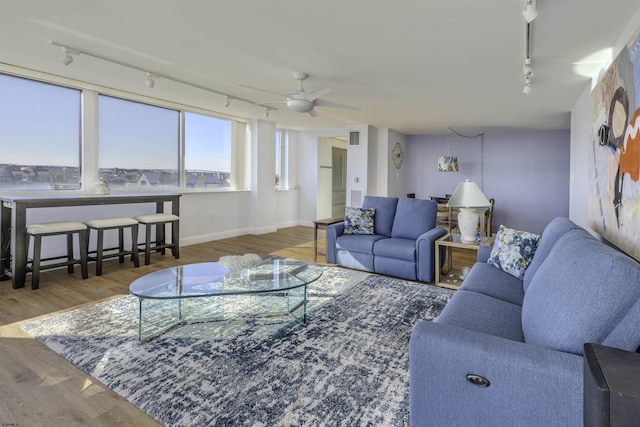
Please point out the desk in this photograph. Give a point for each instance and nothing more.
(322, 223)
(453, 241)
(13, 217)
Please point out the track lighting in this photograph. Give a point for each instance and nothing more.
(151, 77)
(151, 80)
(530, 11)
(527, 87)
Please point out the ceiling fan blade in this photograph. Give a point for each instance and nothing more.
(323, 103)
(260, 89)
(314, 94)
(313, 113)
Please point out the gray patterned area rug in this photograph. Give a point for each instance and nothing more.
(347, 367)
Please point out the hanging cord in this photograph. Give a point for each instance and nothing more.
(481, 135)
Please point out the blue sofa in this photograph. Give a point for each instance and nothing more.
(403, 243)
(524, 338)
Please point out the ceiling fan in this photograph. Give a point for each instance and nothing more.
(303, 101)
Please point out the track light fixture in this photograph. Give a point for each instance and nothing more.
(527, 69)
(530, 11)
(150, 80)
(67, 58)
(527, 87)
(151, 77)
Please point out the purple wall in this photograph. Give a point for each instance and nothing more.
(526, 172)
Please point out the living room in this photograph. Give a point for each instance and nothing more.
(549, 179)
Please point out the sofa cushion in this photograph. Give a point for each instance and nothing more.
(484, 314)
(552, 232)
(362, 243)
(358, 220)
(396, 248)
(486, 279)
(385, 212)
(585, 291)
(414, 217)
(513, 251)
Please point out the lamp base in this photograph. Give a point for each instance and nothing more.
(468, 224)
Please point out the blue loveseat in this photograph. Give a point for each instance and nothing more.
(507, 352)
(403, 243)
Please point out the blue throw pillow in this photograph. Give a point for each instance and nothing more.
(359, 221)
(513, 251)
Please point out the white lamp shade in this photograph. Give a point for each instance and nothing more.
(468, 195)
(447, 164)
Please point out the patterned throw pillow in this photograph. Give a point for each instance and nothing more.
(513, 251)
(359, 221)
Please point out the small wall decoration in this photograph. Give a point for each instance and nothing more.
(614, 156)
(397, 155)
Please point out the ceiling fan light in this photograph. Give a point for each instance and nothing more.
(300, 105)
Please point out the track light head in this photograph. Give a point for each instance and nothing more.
(527, 69)
(527, 87)
(67, 59)
(530, 11)
(266, 112)
(151, 80)
(227, 101)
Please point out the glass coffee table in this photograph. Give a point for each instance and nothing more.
(210, 291)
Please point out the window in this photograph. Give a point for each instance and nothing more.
(207, 151)
(138, 144)
(39, 135)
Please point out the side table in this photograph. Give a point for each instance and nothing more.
(450, 241)
(322, 224)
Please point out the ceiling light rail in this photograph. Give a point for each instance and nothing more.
(530, 13)
(150, 77)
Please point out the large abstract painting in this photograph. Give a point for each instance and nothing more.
(614, 169)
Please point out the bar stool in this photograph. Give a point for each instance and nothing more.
(102, 224)
(160, 220)
(38, 231)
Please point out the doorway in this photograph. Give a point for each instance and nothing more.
(332, 176)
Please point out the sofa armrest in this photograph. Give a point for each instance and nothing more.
(529, 385)
(332, 232)
(425, 254)
(483, 253)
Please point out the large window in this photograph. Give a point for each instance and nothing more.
(138, 144)
(207, 151)
(282, 176)
(39, 135)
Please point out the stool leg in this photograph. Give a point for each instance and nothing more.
(134, 245)
(70, 253)
(35, 274)
(82, 240)
(121, 244)
(147, 244)
(160, 232)
(175, 237)
(99, 248)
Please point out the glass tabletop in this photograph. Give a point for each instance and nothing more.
(212, 278)
(457, 238)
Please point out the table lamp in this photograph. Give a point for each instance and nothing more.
(467, 198)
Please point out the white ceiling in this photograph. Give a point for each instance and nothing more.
(413, 66)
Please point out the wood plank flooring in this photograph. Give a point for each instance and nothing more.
(40, 388)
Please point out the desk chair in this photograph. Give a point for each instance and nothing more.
(159, 221)
(38, 231)
(102, 224)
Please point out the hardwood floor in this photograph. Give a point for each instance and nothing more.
(40, 388)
